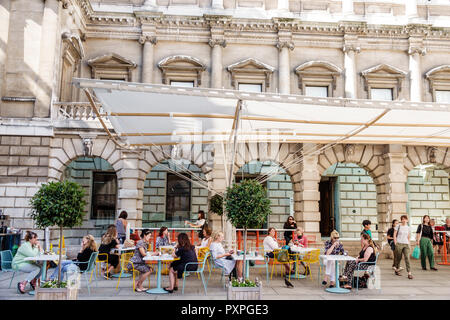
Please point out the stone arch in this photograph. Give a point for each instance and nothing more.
(417, 155)
(64, 150)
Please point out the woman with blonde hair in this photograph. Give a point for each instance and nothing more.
(332, 247)
(223, 259)
(88, 246)
(109, 242)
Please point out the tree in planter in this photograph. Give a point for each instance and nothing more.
(58, 204)
(216, 204)
(247, 207)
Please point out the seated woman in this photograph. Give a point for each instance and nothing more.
(270, 244)
(88, 246)
(186, 252)
(138, 261)
(31, 248)
(332, 247)
(299, 238)
(109, 242)
(367, 254)
(163, 238)
(206, 241)
(221, 259)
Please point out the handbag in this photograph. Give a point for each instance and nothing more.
(283, 256)
(416, 252)
(128, 243)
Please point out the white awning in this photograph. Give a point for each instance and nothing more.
(147, 114)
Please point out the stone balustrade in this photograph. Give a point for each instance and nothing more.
(75, 111)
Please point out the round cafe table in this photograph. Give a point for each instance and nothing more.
(121, 250)
(248, 258)
(160, 259)
(44, 258)
(301, 251)
(337, 258)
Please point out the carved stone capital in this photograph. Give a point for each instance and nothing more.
(350, 47)
(414, 49)
(217, 42)
(285, 44)
(144, 38)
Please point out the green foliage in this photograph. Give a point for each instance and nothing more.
(216, 204)
(54, 284)
(58, 204)
(247, 204)
(246, 283)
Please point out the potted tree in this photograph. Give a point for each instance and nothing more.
(247, 207)
(58, 204)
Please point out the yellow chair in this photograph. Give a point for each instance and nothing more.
(280, 263)
(125, 260)
(311, 257)
(99, 261)
(201, 256)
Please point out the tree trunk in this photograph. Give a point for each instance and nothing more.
(244, 269)
(60, 254)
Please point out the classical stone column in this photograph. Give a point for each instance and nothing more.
(415, 71)
(411, 8)
(283, 5)
(350, 70)
(5, 6)
(347, 7)
(216, 61)
(217, 4)
(393, 193)
(306, 192)
(47, 64)
(148, 43)
(284, 79)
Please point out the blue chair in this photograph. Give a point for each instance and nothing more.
(262, 266)
(369, 270)
(198, 271)
(89, 269)
(216, 266)
(7, 257)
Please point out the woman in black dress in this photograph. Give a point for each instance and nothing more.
(109, 242)
(289, 224)
(186, 252)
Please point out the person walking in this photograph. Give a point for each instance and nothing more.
(424, 238)
(390, 239)
(402, 235)
(121, 226)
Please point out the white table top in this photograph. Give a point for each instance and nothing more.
(164, 257)
(336, 257)
(302, 250)
(247, 257)
(44, 257)
(121, 248)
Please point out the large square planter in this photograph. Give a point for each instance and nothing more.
(244, 293)
(56, 293)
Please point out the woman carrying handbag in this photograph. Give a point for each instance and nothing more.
(424, 239)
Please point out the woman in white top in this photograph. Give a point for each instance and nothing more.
(220, 256)
(206, 241)
(199, 224)
(402, 234)
(270, 243)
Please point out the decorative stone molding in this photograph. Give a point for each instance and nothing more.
(250, 71)
(181, 68)
(348, 48)
(217, 42)
(419, 50)
(431, 154)
(383, 76)
(318, 73)
(147, 38)
(72, 54)
(439, 79)
(285, 44)
(111, 66)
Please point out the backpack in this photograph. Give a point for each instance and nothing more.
(283, 255)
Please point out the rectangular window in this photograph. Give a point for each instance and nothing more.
(313, 91)
(186, 84)
(442, 96)
(250, 87)
(381, 94)
(104, 192)
(178, 198)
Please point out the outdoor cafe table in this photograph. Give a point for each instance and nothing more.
(44, 258)
(301, 251)
(121, 250)
(161, 258)
(248, 257)
(337, 258)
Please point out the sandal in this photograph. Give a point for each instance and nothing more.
(169, 291)
(397, 273)
(175, 288)
(139, 290)
(21, 287)
(33, 284)
(410, 276)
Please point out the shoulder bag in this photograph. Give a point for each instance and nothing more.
(416, 252)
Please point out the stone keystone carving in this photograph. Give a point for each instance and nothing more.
(431, 154)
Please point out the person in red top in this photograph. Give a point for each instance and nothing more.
(299, 238)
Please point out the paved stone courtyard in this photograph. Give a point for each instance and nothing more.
(425, 285)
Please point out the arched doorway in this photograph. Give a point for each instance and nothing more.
(169, 199)
(347, 197)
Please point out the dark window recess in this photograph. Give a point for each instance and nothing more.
(178, 198)
(104, 195)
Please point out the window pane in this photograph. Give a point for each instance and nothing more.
(104, 193)
(381, 94)
(178, 198)
(316, 91)
(442, 96)
(250, 87)
(189, 84)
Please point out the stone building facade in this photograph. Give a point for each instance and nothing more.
(349, 49)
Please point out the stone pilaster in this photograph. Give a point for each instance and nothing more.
(347, 7)
(4, 31)
(217, 46)
(306, 192)
(46, 83)
(350, 51)
(415, 52)
(391, 195)
(283, 5)
(148, 42)
(217, 4)
(411, 9)
(284, 80)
